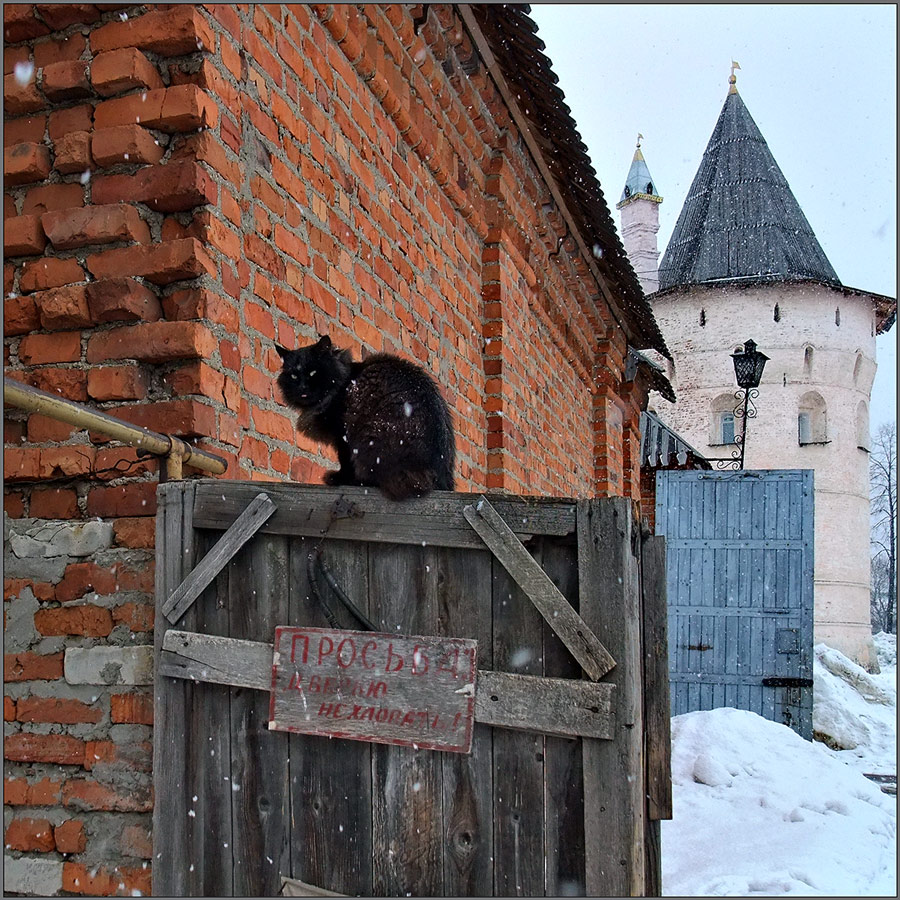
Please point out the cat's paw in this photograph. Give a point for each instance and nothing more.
(334, 479)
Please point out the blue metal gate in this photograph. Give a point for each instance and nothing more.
(739, 550)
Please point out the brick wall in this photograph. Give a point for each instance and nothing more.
(184, 186)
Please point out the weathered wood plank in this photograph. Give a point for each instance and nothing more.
(241, 530)
(407, 805)
(460, 579)
(564, 707)
(657, 708)
(563, 767)
(171, 701)
(362, 514)
(210, 848)
(331, 781)
(258, 593)
(614, 821)
(518, 777)
(581, 642)
(559, 706)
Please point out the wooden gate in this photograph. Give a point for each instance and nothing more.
(568, 775)
(739, 549)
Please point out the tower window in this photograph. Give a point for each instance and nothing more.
(837, 316)
(727, 428)
(702, 317)
(776, 313)
(857, 367)
(807, 360)
(812, 427)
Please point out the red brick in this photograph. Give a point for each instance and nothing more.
(159, 263)
(27, 130)
(54, 503)
(74, 118)
(25, 163)
(172, 32)
(81, 878)
(183, 418)
(48, 52)
(52, 709)
(49, 272)
(27, 666)
(133, 709)
(86, 794)
(21, 463)
(61, 15)
(135, 499)
(197, 378)
(86, 620)
(72, 153)
(137, 616)
(37, 349)
(30, 834)
(20, 23)
(112, 462)
(41, 199)
(67, 80)
(20, 315)
(14, 55)
(122, 300)
(136, 533)
(66, 461)
(70, 837)
(184, 107)
(23, 236)
(20, 99)
(177, 186)
(125, 143)
(15, 791)
(137, 756)
(73, 228)
(153, 342)
(79, 578)
(117, 71)
(63, 307)
(12, 587)
(42, 429)
(44, 748)
(9, 709)
(117, 383)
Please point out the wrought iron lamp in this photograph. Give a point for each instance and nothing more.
(748, 370)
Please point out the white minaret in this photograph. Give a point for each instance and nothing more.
(639, 208)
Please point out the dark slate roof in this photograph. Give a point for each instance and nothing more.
(663, 448)
(740, 220)
(512, 37)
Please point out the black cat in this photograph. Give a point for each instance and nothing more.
(385, 417)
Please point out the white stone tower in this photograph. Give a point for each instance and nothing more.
(639, 207)
(743, 263)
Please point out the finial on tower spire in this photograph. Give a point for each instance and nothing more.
(640, 137)
(732, 79)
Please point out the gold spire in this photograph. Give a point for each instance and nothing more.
(732, 79)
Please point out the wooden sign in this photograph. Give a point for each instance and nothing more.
(366, 686)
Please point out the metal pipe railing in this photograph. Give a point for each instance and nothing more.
(175, 450)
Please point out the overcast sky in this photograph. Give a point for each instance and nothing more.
(819, 81)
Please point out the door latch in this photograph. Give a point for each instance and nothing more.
(781, 681)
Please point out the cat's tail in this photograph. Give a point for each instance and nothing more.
(402, 485)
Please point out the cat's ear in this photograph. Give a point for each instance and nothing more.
(324, 342)
(281, 351)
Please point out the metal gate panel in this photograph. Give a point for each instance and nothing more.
(739, 549)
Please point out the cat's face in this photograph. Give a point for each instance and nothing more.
(312, 374)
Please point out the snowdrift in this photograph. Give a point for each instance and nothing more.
(758, 810)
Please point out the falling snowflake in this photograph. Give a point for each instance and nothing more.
(23, 71)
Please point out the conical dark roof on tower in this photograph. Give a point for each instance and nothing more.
(740, 221)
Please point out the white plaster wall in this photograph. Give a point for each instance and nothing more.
(640, 224)
(843, 367)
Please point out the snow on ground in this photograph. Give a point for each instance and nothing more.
(759, 810)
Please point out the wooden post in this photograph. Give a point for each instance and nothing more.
(614, 780)
(171, 699)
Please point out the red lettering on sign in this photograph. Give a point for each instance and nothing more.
(419, 661)
(323, 653)
(295, 681)
(340, 653)
(390, 659)
(294, 641)
(451, 656)
(365, 650)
